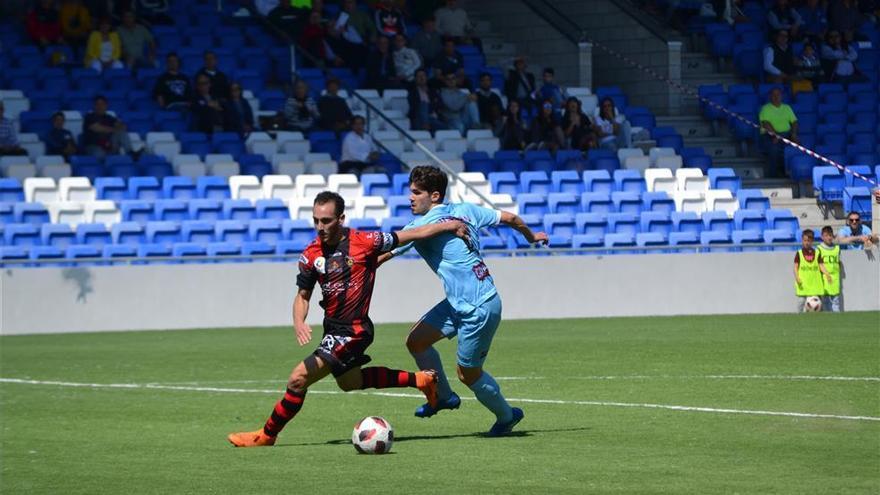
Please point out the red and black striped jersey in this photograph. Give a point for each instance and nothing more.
(346, 272)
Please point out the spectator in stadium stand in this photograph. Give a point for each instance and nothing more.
(779, 118)
(423, 103)
(783, 17)
(44, 24)
(359, 153)
(406, 60)
(287, 19)
(809, 66)
(9, 144)
(855, 234)
(349, 37)
(300, 111)
(428, 42)
(103, 50)
(207, 111)
(809, 271)
(779, 61)
(845, 18)
(577, 126)
(219, 81)
(839, 57)
(173, 90)
(60, 141)
(512, 131)
(453, 21)
(389, 19)
(449, 60)
(313, 40)
(381, 73)
(138, 45)
(520, 84)
(104, 134)
(545, 132)
(733, 12)
(488, 103)
(76, 22)
(360, 21)
(612, 128)
(550, 90)
(153, 11)
(458, 110)
(239, 115)
(335, 113)
(815, 21)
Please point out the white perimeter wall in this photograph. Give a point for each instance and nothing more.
(53, 300)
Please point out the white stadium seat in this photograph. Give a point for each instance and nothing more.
(371, 207)
(291, 168)
(445, 134)
(185, 158)
(72, 213)
(308, 185)
(504, 202)
(245, 187)
(474, 134)
(691, 179)
(166, 149)
(721, 200)
(689, 201)
(660, 180)
(224, 169)
(49, 160)
(265, 148)
(671, 162)
(212, 158)
(489, 145)
(476, 180)
(457, 145)
(346, 185)
(383, 135)
(75, 189)
(640, 163)
(295, 147)
(21, 171)
(656, 153)
(159, 137)
(624, 153)
(301, 208)
(192, 169)
(278, 187)
(323, 167)
(311, 158)
(101, 211)
(394, 146)
(55, 171)
(40, 190)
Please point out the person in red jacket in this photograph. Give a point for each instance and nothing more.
(44, 24)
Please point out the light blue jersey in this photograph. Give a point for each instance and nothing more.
(459, 265)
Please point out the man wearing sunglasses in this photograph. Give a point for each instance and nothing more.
(855, 234)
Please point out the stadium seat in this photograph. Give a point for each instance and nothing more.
(740, 237)
(593, 202)
(780, 219)
(658, 201)
(655, 221)
(598, 181)
(626, 202)
(93, 234)
(629, 181)
(593, 224)
(568, 203)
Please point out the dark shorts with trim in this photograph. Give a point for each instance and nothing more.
(344, 344)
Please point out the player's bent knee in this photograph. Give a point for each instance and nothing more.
(297, 383)
(469, 375)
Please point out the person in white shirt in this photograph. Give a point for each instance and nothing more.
(359, 152)
(406, 60)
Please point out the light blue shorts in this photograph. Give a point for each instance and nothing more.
(474, 330)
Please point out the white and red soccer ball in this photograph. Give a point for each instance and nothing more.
(372, 435)
(813, 304)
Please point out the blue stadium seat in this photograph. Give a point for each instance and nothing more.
(535, 182)
(113, 251)
(271, 208)
(627, 202)
(162, 232)
(299, 231)
(598, 181)
(566, 181)
(717, 221)
(858, 199)
(651, 240)
(260, 250)
(11, 190)
(206, 209)
(212, 187)
(749, 220)
(828, 183)
(58, 235)
(21, 234)
(13, 253)
(178, 188)
(568, 203)
(686, 222)
(157, 170)
(136, 211)
(266, 230)
(391, 224)
(364, 224)
(46, 254)
(620, 240)
(175, 210)
(398, 206)
(490, 243)
(127, 233)
(232, 231)
(780, 219)
(866, 172)
(623, 223)
(740, 237)
(80, 252)
(772, 236)
(185, 250)
(290, 247)
(587, 241)
(376, 185)
(112, 188)
(238, 209)
(594, 224)
(559, 224)
(147, 251)
(6, 213)
(629, 180)
(684, 239)
(656, 221)
(592, 202)
(504, 183)
(198, 231)
(34, 213)
(532, 204)
(658, 201)
(724, 178)
(93, 234)
(716, 241)
(400, 185)
(752, 199)
(609, 164)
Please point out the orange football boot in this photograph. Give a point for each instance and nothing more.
(251, 439)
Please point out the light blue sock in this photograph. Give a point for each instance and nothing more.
(429, 359)
(489, 394)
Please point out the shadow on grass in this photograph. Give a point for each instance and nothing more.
(409, 438)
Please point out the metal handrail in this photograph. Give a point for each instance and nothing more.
(541, 11)
(353, 92)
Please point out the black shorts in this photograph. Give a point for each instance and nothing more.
(344, 345)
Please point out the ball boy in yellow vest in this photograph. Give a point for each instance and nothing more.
(808, 271)
(831, 259)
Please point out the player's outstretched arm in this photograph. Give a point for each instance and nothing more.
(456, 227)
(300, 312)
(517, 224)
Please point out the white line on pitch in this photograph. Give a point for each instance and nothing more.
(156, 386)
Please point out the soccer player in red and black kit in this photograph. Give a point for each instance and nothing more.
(344, 262)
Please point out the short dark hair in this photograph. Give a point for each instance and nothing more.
(809, 234)
(549, 70)
(328, 196)
(485, 74)
(827, 230)
(101, 98)
(430, 179)
(57, 114)
(358, 117)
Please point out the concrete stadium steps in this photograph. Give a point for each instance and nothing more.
(698, 64)
(689, 126)
(807, 212)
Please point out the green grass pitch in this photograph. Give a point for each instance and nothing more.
(592, 426)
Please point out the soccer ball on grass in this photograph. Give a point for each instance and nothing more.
(813, 304)
(372, 435)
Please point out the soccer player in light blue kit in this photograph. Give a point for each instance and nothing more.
(472, 308)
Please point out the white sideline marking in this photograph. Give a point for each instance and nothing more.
(159, 386)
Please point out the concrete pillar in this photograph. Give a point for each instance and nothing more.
(585, 64)
(674, 74)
